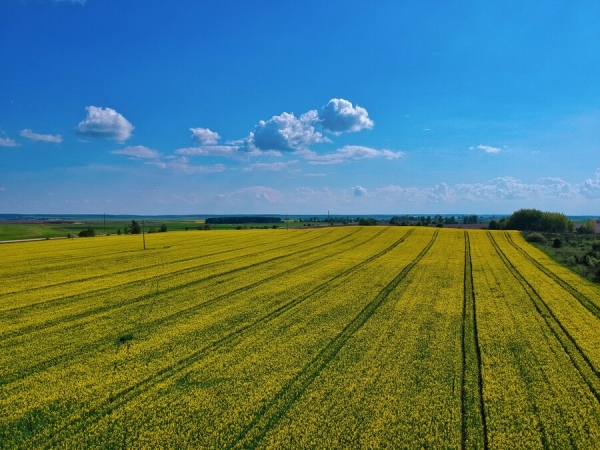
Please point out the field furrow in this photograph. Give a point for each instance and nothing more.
(473, 427)
(345, 337)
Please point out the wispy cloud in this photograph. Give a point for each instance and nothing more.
(105, 123)
(252, 196)
(27, 133)
(486, 148)
(275, 167)
(347, 153)
(227, 151)
(182, 165)
(7, 142)
(138, 151)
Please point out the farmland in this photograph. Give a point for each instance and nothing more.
(350, 337)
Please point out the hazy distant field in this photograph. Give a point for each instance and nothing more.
(374, 337)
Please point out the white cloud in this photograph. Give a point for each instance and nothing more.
(285, 133)
(41, 137)
(7, 142)
(339, 116)
(349, 152)
(497, 190)
(226, 151)
(138, 151)
(275, 167)
(486, 148)
(359, 191)
(204, 136)
(105, 123)
(591, 187)
(182, 165)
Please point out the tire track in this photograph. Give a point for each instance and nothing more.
(473, 424)
(94, 345)
(580, 360)
(270, 414)
(66, 299)
(162, 278)
(580, 297)
(128, 394)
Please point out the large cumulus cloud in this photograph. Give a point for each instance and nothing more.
(286, 133)
(339, 116)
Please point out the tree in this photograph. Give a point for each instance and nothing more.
(163, 228)
(90, 232)
(588, 227)
(135, 227)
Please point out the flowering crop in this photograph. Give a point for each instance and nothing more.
(326, 338)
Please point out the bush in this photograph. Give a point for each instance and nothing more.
(536, 237)
(557, 243)
(367, 222)
(90, 232)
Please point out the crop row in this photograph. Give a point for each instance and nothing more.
(330, 338)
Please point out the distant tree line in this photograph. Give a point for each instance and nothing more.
(241, 220)
(534, 220)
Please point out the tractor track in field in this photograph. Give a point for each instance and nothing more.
(579, 359)
(4, 380)
(129, 393)
(473, 418)
(580, 297)
(270, 414)
(76, 262)
(156, 281)
(68, 298)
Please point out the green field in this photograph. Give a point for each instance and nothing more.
(338, 337)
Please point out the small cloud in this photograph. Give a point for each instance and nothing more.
(7, 142)
(204, 136)
(57, 139)
(349, 152)
(105, 123)
(137, 151)
(359, 191)
(486, 148)
(2, 189)
(270, 166)
(339, 116)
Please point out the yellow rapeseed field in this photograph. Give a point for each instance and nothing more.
(352, 337)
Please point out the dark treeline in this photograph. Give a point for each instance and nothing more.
(236, 220)
(534, 220)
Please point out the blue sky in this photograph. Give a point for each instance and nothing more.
(212, 107)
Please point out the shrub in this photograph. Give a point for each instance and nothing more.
(536, 237)
(557, 243)
(90, 232)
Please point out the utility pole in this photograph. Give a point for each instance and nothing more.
(144, 233)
